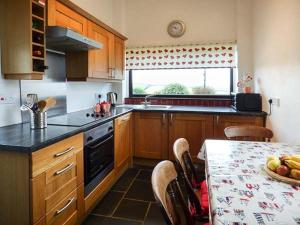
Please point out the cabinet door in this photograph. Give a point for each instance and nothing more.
(194, 127)
(151, 135)
(222, 121)
(61, 15)
(49, 188)
(122, 141)
(99, 59)
(119, 59)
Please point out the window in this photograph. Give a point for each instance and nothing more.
(181, 82)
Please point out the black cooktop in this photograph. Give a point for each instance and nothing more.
(78, 119)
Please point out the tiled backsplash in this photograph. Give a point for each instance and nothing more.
(182, 101)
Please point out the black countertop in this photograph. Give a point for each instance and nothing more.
(20, 137)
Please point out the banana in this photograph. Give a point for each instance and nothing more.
(292, 164)
(295, 158)
(295, 174)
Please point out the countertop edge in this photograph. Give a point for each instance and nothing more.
(29, 150)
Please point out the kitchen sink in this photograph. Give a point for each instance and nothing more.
(145, 106)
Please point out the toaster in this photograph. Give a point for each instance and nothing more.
(248, 102)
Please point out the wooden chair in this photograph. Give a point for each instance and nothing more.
(167, 192)
(248, 133)
(196, 189)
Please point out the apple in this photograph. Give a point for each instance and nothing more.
(271, 157)
(283, 170)
(295, 174)
(274, 164)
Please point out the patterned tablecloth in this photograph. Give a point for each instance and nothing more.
(241, 193)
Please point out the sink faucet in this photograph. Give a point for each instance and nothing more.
(146, 102)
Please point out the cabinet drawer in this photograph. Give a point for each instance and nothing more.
(63, 210)
(56, 197)
(47, 157)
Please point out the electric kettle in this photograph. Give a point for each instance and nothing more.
(112, 98)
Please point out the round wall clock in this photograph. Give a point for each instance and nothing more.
(176, 28)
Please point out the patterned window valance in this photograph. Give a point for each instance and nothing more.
(184, 56)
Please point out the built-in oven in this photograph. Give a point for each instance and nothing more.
(98, 155)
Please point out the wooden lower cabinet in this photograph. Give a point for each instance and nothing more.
(194, 127)
(223, 121)
(51, 188)
(155, 133)
(151, 135)
(122, 140)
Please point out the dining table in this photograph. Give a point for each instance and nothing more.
(240, 190)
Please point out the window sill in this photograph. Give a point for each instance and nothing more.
(213, 102)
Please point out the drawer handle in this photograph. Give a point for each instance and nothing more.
(59, 211)
(64, 169)
(64, 152)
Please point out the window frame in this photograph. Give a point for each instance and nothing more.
(225, 97)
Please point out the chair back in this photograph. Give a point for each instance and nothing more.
(248, 133)
(182, 155)
(167, 191)
(188, 172)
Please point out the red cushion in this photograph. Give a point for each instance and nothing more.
(202, 194)
(203, 198)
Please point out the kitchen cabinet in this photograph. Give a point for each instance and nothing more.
(44, 187)
(155, 133)
(123, 143)
(223, 121)
(22, 39)
(105, 63)
(101, 60)
(194, 127)
(119, 59)
(151, 135)
(61, 15)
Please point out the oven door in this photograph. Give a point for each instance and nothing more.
(99, 160)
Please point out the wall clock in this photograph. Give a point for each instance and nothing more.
(176, 28)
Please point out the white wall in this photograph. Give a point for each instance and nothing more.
(276, 35)
(207, 20)
(102, 9)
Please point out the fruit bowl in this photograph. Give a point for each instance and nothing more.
(284, 179)
(284, 168)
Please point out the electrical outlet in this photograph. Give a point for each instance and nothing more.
(275, 101)
(6, 99)
(98, 97)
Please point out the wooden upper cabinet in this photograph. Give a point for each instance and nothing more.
(100, 59)
(223, 121)
(194, 127)
(23, 39)
(119, 65)
(151, 135)
(61, 15)
(122, 140)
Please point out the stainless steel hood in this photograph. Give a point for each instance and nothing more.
(66, 40)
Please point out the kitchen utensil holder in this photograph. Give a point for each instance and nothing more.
(38, 120)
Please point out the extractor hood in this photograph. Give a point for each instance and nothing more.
(66, 40)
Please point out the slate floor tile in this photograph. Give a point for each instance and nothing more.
(101, 220)
(140, 190)
(108, 204)
(131, 209)
(124, 182)
(144, 175)
(154, 216)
